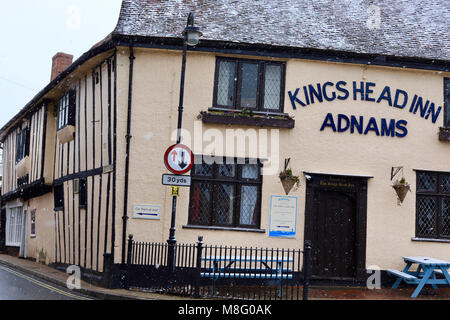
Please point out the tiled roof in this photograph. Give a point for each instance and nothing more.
(404, 28)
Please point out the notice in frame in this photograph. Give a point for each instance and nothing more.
(283, 217)
(146, 211)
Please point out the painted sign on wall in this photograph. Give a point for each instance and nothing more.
(364, 91)
(283, 216)
(147, 212)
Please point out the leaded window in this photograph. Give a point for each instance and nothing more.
(23, 144)
(66, 110)
(249, 84)
(433, 205)
(226, 194)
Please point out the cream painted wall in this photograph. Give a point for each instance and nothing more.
(390, 226)
(122, 105)
(42, 246)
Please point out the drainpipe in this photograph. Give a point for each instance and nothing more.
(127, 155)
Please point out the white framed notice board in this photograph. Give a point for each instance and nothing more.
(283, 216)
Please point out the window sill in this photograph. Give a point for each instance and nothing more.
(66, 134)
(430, 240)
(444, 134)
(257, 119)
(190, 226)
(15, 245)
(23, 167)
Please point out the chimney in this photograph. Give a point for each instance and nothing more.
(60, 63)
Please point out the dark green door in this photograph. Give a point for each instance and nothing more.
(334, 254)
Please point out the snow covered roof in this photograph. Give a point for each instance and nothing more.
(404, 28)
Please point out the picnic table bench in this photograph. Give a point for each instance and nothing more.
(247, 267)
(425, 273)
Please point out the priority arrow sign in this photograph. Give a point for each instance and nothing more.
(179, 159)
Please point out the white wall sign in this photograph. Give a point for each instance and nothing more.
(146, 211)
(283, 217)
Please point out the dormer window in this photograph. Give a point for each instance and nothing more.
(66, 110)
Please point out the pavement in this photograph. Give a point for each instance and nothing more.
(59, 278)
(359, 293)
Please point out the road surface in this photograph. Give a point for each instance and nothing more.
(15, 285)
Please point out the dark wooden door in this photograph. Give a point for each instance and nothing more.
(334, 235)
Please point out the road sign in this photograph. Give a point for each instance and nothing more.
(179, 159)
(175, 191)
(175, 180)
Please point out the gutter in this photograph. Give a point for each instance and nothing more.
(266, 50)
(127, 156)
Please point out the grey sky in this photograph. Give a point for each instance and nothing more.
(33, 31)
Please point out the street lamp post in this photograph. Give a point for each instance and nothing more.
(191, 37)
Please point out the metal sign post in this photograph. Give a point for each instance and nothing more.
(179, 160)
(191, 36)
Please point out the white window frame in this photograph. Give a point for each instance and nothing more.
(33, 223)
(14, 225)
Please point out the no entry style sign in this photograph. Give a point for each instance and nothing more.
(179, 159)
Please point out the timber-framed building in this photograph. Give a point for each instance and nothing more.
(357, 97)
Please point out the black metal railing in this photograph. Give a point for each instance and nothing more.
(220, 271)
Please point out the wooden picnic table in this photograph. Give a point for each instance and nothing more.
(268, 270)
(426, 273)
(248, 267)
